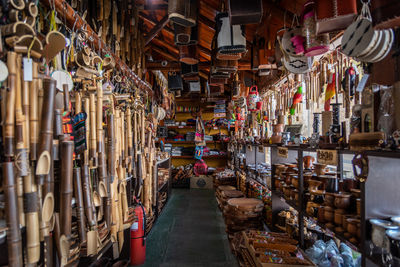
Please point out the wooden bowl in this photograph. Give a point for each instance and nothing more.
(329, 214)
(342, 201)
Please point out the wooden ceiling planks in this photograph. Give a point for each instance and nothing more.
(281, 13)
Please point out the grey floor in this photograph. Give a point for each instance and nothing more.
(189, 233)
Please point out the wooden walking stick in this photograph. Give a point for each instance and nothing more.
(14, 242)
(66, 188)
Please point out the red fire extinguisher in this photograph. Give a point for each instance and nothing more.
(138, 237)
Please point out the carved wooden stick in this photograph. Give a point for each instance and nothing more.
(87, 196)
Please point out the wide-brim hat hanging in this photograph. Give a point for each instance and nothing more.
(360, 40)
(287, 44)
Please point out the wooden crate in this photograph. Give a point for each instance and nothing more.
(201, 182)
(256, 259)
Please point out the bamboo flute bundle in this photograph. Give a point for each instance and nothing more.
(92, 129)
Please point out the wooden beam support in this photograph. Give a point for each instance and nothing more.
(156, 29)
(174, 66)
(164, 54)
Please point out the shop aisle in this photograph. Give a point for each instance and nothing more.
(189, 233)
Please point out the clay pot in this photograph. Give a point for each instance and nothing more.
(320, 169)
(308, 162)
(321, 214)
(329, 199)
(277, 128)
(342, 201)
(281, 185)
(328, 214)
(294, 193)
(279, 168)
(358, 204)
(277, 182)
(347, 235)
(295, 181)
(313, 185)
(330, 183)
(352, 226)
(311, 208)
(349, 184)
(307, 176)
(317, 196)
(286, 191)
(339, 230)
(344, 220)
(339, 216)
(356, 193)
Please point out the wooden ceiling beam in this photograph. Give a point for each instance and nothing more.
(165, 45)
(164, 54)
(156, 29)
(156, 7)
(203, 65)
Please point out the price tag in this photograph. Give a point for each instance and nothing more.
(327, 156)
(27, 62)
(283, 152)
(362, 83)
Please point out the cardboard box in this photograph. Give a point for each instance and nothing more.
(201, 182)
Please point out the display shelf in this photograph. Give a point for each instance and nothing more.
(194, 127)
(334, 234)
(204, 157)
(290, 202)
(191, 142)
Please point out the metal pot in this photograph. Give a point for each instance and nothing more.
(378, 235)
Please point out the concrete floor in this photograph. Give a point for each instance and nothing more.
(189, 233)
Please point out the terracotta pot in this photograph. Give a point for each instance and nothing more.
(329, 199)
(352, 226)
(286, 191)
(308, 162)
(339, 217)
(328, 214)
(342, 201)
(358, 203)
(295, 181)
(277, 182)
(356, 193)
(321, 214)
(313, 185)
(317, 196)
(349, 184)
(279, 168)
(320, 169)
(330, 183)
(294, 192)
(344, 220)
(307, 176)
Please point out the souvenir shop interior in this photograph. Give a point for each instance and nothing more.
(258, 133)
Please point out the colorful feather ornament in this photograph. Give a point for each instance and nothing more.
(330, 91)
(298, 96)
